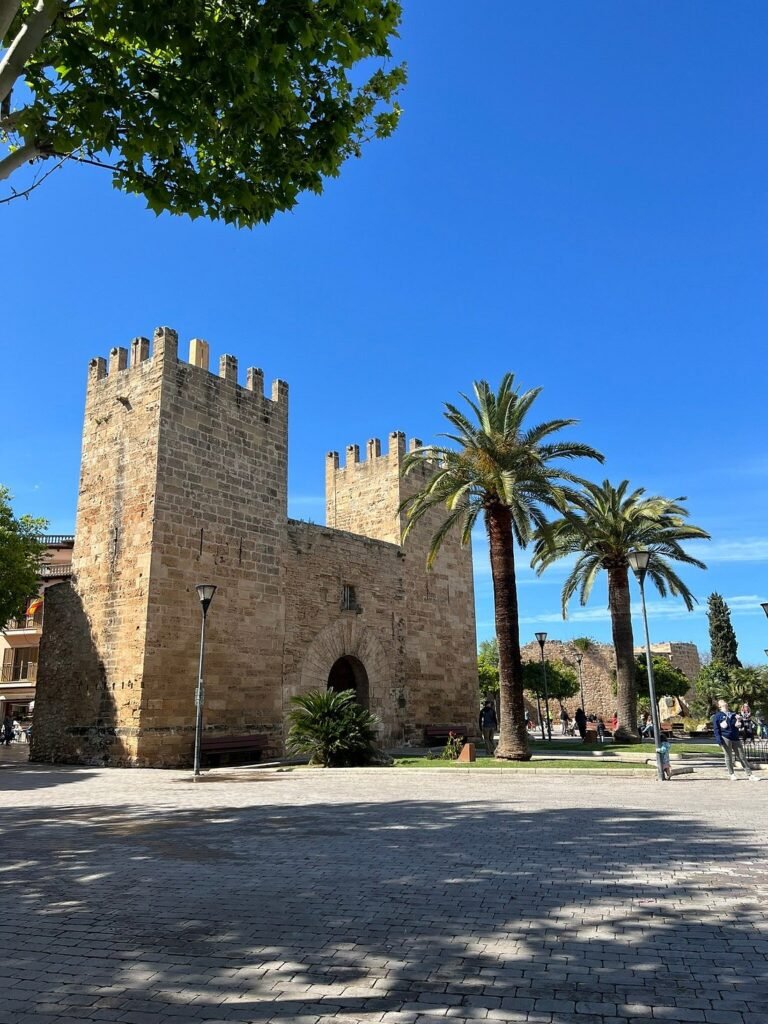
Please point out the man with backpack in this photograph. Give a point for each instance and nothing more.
(727, 734)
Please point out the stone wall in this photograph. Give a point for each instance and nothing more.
(599, 670)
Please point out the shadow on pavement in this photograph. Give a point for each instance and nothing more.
(353, 910)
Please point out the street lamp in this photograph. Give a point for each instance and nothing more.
(205, 592)
(764, 606)
(542, 638)
(579, 659)
(638, 562)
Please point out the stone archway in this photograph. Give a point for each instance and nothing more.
(348, 641)
(348, 673)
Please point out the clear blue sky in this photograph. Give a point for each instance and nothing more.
(577, 193)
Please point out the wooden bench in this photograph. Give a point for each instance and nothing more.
(217, 749)
(434, 734)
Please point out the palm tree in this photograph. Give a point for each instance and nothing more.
(601, 526)
(504, 471)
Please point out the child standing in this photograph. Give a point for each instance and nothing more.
(663, 750)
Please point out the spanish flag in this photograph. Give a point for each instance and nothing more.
(34, 606)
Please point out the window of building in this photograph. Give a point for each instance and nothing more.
(348, 598)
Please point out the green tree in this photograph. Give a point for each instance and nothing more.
(722, 639)
(669, 680)
(20, 553)
(601, 527)
(509, 475)
(332, 729)
(488, 667)
(219, 108)
(736, 684)
(562, 681)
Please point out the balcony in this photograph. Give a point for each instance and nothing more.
(22, 672)
(56, 540)
(52, 571)
(25, 622)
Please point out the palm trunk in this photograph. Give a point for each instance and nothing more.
(624, 648)
(513, 737)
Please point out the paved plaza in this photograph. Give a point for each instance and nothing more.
(138, 896)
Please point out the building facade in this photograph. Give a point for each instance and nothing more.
(184, 480)
(20, 637)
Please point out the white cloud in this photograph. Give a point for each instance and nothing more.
(740, 605)
(751, 549)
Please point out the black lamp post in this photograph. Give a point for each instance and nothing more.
(579, 659)
(205, 592)
(542, 638)
(638, 562)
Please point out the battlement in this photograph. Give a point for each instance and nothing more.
(165, 350)
(395, 453)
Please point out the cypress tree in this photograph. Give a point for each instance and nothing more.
(722, 638)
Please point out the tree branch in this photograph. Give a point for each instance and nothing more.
(28, 39)
(25, 192)
(24, 154)
(8, 10)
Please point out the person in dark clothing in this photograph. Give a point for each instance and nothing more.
(727, 735)
(7, 730)
(581, 722)
(488, 726)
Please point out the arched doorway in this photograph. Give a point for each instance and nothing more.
(348, 673)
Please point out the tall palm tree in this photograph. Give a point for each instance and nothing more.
(601, 526)
(504, 471)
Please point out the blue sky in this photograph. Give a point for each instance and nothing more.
(577, 193)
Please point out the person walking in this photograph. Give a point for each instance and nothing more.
(581, 723)
(7, 731)
(488, 726)
(564, 721)
(727, 736)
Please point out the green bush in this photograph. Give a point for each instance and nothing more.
(332, 729)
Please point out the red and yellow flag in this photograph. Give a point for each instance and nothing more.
(34, 606)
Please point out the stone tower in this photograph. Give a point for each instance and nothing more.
(184, 481)
(363, 497)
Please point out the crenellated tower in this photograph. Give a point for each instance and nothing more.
(363, 497)
(183, 480)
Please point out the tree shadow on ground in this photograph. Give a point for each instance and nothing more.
(407, 909)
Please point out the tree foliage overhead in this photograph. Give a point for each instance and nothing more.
(220, 108)
(501, 470)
(722, 638)
(20, 553)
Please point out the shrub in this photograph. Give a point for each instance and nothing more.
(453, 747)
(332, 729)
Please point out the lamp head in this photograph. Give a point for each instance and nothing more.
(542, 638)
(764, 606)
(638, 563)
(579, 656)
(205, 592)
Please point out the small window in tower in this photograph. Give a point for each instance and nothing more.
(348, 598)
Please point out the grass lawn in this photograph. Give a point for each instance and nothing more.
(569, 764)
(576, 746)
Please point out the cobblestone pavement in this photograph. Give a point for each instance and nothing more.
(138, 896)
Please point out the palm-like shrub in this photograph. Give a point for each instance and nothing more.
(332, 729)
(499, 469)
(601, 526)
